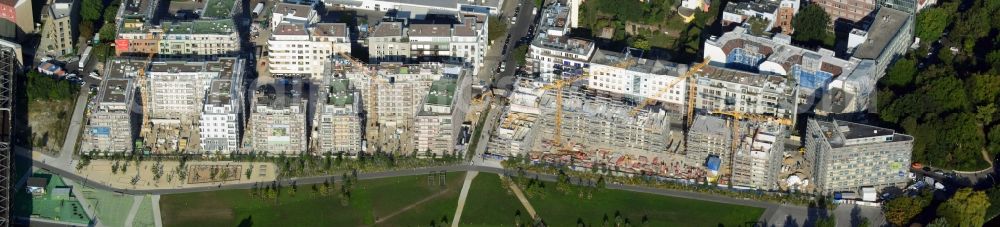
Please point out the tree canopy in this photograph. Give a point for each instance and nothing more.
(967, 208)
(810, 24)
(91, 10)
(899, 211)
(932, 22)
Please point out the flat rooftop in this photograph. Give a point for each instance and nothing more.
(218, 9)
(269, 95)
(710, 125)
(61, 9)
(639, 64)
(122, 68)
(430, 30)
(385, 29)
(340, 93)
(741, 77)
(221, 27)
(330, 29)
(836, 132)
(116, 90)
(888, 23)
(223, 65)
(296, 10)
(289, 29)
(138, 8)
(449, 4)
(219, 93)
(442, 92)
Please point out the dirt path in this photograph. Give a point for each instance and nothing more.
(409, 207)
(524, 200)
(462, 196)
(986, 156)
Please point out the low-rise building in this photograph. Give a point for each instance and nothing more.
(847, 156)
(278, 119)
(337, 121)
(57, 31)
(110, 125)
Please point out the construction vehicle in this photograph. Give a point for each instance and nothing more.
(651, 99)
(558, 86)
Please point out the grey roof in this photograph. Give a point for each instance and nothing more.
(741, 77)
(293, 9)
(387, 29)
(330, 29)
(116, 90)
(433, 30)
(219, 92)
(612, 58)
(290, 29)
(269, 95)
(710, 125)
(763, 6)
(888, 24)
(60, 9)
(837, 132)
(224, 66)
(430, 3)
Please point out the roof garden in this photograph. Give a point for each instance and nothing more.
(59, 202)
(442, 92)
(339, 93)
(200, 27)
(218, 8)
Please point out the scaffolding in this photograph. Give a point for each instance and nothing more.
(9, 63)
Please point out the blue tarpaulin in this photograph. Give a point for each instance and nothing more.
(713, 163)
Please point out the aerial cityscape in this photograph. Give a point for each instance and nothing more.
(499, 113)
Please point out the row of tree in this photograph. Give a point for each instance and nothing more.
(965, 208)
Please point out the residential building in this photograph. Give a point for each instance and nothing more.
(757, 160)
(438, 124)
(721, 89)
(852, 11)
(222, 117)
(278, 119)
(516, 134)
(603, 123)
(708, 136)
(284, 12)
(337, 121)
(301, 50)
(16, 18)
(813, 71)
(638, 78)
(847, 156)
(177, 89)
(553, 54)
(219, 9)
(57, 32)
(460, 43)
(110, 125)
(387, 42)
(400, 89)
(763, 10)
(786, 13)
(418, 8)
(186, 38)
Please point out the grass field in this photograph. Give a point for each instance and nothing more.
(144, 216)
(111, 208)
(401, 201)
(558, 209)
(490, 204)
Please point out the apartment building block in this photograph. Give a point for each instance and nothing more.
(462, 43)
(278, 119)
(847, 156)
(110, 127)
(57, 31)
(708, 136)
(628, 74)
(301, 50)
(721, 89)
(757, 160)
(185, 38)
(552, 53)
(177, 89)
(337, 121)
(438, 124)
(222, 114)
(419, 9)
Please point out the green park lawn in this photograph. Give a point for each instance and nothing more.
(558, 209)
(489, 203)
(400, 201)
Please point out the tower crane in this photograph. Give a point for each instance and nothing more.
(735, 124)
(558, 86)
(650, 99)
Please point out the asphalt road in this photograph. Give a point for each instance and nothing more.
(501, 53)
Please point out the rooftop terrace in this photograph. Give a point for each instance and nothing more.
(340, 93)
(219, 92)
(640, 64)
(221, 27)
(218, 9)
(442, 92)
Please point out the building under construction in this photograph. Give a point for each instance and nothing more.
(599, 122)
(110, 126)
(278, 122)
(516, 133)
(721, 89)
(439, 121)
(337, 121)
(758, 156)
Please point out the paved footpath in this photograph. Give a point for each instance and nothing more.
(157, 219)
(524, 200)
(136, 201)
(461, 197)
(69, 145)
